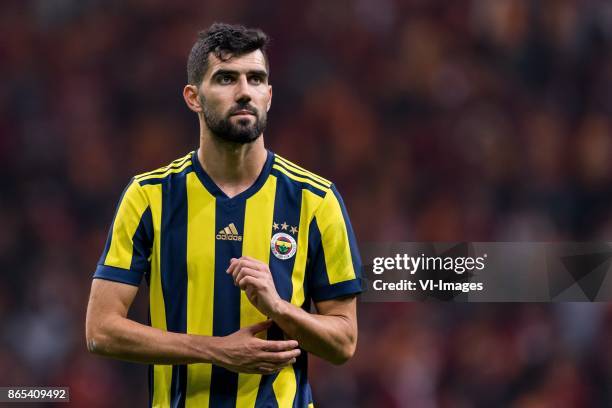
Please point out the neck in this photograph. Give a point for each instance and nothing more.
(233, 167)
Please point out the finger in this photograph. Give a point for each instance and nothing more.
(249, 281)
(281, 357)
(275, 367)
(267, 370)
(233, 265)
(244, 272)
(278, 345)
(236, 273)
(259, 327)
(252, 263)
(239, 266)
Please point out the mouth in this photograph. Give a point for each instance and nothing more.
(243, 112)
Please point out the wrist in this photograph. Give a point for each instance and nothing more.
(207, 348)
(279, 309)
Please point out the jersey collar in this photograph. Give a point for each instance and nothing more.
(214, 190)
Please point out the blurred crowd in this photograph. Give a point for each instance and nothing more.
(438, 120)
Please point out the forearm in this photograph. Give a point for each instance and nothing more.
(125, 339)
(331, 337)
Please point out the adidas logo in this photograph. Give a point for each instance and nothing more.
(229, 233)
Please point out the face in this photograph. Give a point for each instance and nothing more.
(235, 97)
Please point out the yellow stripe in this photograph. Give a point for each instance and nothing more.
(227, 231)
(334, 237)
(298, 178)
(256, 243)
(311, 405)
(162, 374)
(285, 386)
(200, 284)
(310, 202)
(174, 164)
(166, 173)
(130, 210)
(302, 170)
(303, 173)
(232, 228)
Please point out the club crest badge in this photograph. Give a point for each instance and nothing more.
(283, 245)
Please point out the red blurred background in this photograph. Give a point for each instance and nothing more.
(465, 120)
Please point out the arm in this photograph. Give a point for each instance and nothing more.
(110, 333)
(333, 279)
(331, 335)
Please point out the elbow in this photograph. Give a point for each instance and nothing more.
(94, 345)
(97, 341)
(344, 353)
(94, 342)
(346, 344)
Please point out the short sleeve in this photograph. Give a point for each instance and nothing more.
(334, 265)
(126, 255)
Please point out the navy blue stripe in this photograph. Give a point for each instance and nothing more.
(178, 386)
(316, 271)
(143, 243)
(160, 180)
(151, 382)
(309, 399)
(265, 393)
(287, 207)
(356, 258)
(305, 186)
(174, 271)
(226, 303)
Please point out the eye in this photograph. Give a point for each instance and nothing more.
(225, 79)
(256, 80)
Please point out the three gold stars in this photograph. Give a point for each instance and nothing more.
(285, 227)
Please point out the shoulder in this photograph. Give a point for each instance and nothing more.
(179, 166)
(301, 178)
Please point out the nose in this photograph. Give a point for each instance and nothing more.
(243, 92)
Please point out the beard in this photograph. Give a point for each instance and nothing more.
(242, 131)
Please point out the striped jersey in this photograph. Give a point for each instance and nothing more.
(177, 229)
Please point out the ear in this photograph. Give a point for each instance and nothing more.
(269, 100)
(190, 94)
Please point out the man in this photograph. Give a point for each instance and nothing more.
(234, 242)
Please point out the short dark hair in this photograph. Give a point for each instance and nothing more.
(224, 41)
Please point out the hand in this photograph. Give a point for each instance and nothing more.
(255, 278)
(242, 352)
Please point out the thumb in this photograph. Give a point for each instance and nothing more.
(259, 327)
